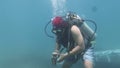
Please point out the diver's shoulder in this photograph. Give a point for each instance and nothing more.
(75, 29)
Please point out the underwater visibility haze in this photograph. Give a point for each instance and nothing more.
(23, 43)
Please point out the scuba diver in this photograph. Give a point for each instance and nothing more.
(76, 37)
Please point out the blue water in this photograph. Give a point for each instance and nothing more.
(23, 43)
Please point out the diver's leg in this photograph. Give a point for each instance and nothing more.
(88, 58)
(88, 64)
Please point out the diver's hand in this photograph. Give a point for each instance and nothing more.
(62, 57)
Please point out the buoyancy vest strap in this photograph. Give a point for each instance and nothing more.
(68, 45)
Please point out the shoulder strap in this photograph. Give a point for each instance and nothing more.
(69, 46)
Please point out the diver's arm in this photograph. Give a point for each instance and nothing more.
(78, 38)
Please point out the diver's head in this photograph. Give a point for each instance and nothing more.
(59, 25)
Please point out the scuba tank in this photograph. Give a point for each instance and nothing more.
(86, 31)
